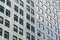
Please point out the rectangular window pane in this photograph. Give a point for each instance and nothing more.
(16, 18)
(1, 9)
(21, 21)
(6, 34)
(1, 30)
(20, 31)
(15, 8)
(7, 23)
(28, 26)
(1, 20)
(8, 12)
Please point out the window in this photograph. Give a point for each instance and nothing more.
(45, 7)
(8, 12)
(28, 16)
(42, 35)
(37, 16)
(8, 3)
(20, 39)
(16, 1)
(7, 23)
(41, 18)
(1, 9)
(32, 28)
(32, 37)
(32, 11)
(41, 11)
(38, 33)
(21, 21)
(15, 8)
(49, 17)
(32, 20)
(32, 3)
(28, 35)
(28, 8)
(21, 3)
(38, 24)
(3, 1)
(15, 28)
(1, 30)
(41, 4)
(42, 26)
(20, 31)
(6, 34)
(21, 12)
(1, 20)
(51, 33)
(14, 37)
(47, 30)
(28, 26)
(55, 36)
(16, 18)
(28, 1)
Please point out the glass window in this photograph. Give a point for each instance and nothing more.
(15, 18)
(41, 18)
(41, 4)
(32, 37)
(32, 11)
(1, 20)
(1, 9)
(32, 3)
(15, 8)
(28, 16)
(28, 26)
(14, 37)
(41, 11)
(7, 23)
(55, 36)
(28, 35)
(32, 20)
(8, 3)
(20, 39)
(51, 33)
(21, 12)
(21, 3)
(2, 1)
(20, 31)
(42, 26)
(32, 28)
(38, 24)
(38, 33)
(49, 17)
(42, 35)
(37, 16)
(28, 8)
(47, 30)
(15, 28)
(28, 1)
(16, 1)
(21, 21)
(6, 34)
(1, 31)
(8, 12)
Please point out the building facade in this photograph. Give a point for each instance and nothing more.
(29, 20)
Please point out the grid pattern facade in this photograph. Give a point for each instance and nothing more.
(29, 20)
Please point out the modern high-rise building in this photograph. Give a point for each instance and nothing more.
(29, 19)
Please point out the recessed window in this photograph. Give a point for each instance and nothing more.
(28, 16)
(1, 20)
(2, 1)
(32, 3)
(15, 28)
(32, 11)
(38, 33)
(42, 35)
(7, 23)
(32, 37)
(16, 18)
(21, 21)
(8, 3)
(28, 1)
(42, 26)
(33, 29)
(20, 39)
(28, 26)
(28, 35)
(21, 12)
(47, 30)
(1, 31)
(1, 9)
(32, 20)
(21, 3)
(14, 37)
(16, 1)
(20, 31)
(28, 8)
(6, 34)
(15, 8)
(8, 12)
